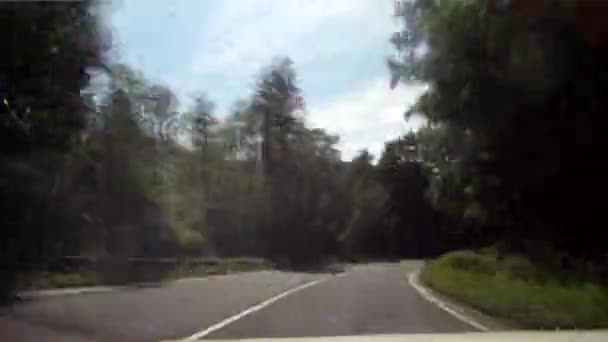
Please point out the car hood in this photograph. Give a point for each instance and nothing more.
(520, 336)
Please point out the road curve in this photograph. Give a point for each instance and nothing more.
(370, 299)
(367, 299)
(170, 311)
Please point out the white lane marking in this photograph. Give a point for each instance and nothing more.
(250, 310)
(413, 280)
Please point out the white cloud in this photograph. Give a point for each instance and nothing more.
(340, 41)
(242, 36)
(367, 117)
(238, 37)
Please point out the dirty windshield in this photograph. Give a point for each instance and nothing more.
(235, 169)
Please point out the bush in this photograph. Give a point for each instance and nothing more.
(519, 267)
(471, 262)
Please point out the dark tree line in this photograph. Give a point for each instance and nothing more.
(47, 50)
(515, 109)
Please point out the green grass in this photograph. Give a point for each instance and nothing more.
(513, 288)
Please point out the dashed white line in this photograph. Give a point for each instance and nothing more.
(248, 311)
(413, 280)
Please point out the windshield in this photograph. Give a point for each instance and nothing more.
(301, 168)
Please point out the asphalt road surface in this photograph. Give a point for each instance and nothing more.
(367, 299)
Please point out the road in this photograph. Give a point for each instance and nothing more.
(367, 299)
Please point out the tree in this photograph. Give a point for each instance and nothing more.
(301, 172)
(413, 231)
(366, 233)
(199, 119)
(48, 50)
(273, 101)
(518, 84)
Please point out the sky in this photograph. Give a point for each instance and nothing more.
(339, 49)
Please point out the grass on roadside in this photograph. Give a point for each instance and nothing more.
(515, 289)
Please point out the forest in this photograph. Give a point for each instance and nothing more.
(97, 160)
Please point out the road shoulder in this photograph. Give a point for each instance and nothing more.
(473, 317)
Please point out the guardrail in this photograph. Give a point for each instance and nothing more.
(205, 260)
(109, 270)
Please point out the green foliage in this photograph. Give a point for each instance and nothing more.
(366, 231)
(199, 119)
(47, 51)
(514, 108)
(300, 173)
(472, 262)
(412, 219)
(503, 287)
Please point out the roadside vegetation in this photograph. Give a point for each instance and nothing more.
(146, 271)
(514, 288)
(513, 152)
